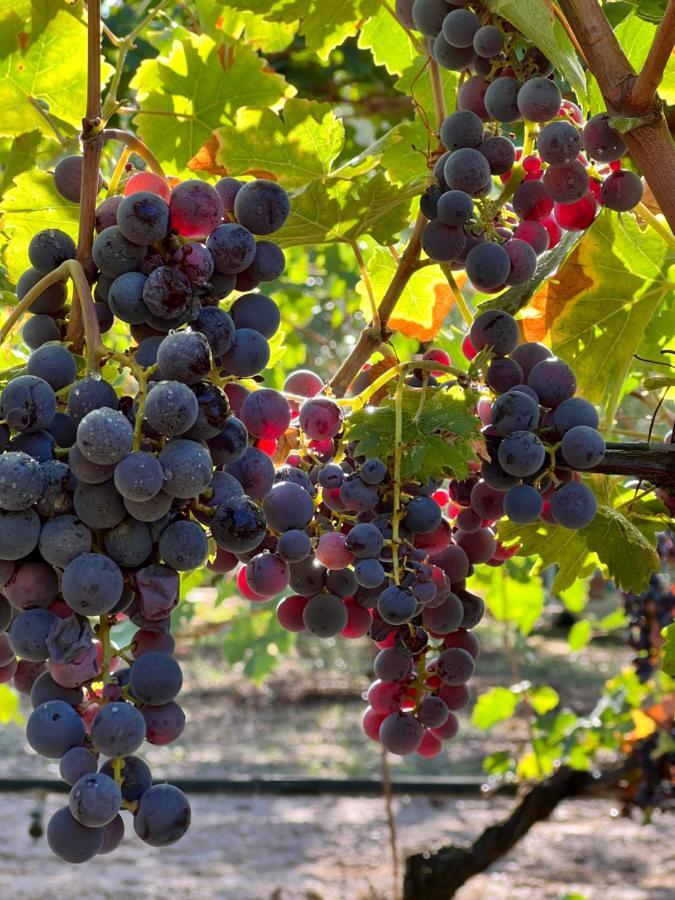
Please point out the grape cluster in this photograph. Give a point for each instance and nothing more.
(538, 434)
(355, 568)
(650, 612)
(546, 188)
(106, 499)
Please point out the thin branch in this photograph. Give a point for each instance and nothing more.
(92, 145)
(560, 16)
(365, 277)
(136, 146)
(437, 92)
(644, 90)
(370, 339)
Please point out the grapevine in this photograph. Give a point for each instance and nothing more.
(360, 505)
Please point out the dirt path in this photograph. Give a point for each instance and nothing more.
(326, 848)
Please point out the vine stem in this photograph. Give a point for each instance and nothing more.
(92, 142)
(136, 146)
(650, 143)
(437, 92)
(371, 338)
(124, 45)
(650, 76)
(391, 823)
(462, 306)
(84, 304)
(120, 166)
(398, 441)
(365, 277)
(653, 220)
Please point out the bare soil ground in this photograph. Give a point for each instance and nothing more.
(305, 721)
(262, 848)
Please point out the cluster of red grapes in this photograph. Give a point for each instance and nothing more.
(497, 237)
(105, 499)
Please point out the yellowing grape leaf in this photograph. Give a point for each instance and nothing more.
(424, 303)
(536, 20)
(192, 90)
(294, 147)
(29, 206)
(270, 37)
(597, 310)
(43, 65)
(439, 429)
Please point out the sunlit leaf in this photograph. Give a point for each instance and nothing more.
(300, 144)
(493, 706)
(197, 86)
(580, 634)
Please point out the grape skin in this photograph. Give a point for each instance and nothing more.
(488, 266)
(163, 815)
(539, 99)
(95, 800)
(461, 129)
(573, 505)
(68, 178)
(582, 447)
(143, 218)
(258, 312)
(49, 248)
(621, 191)
(71, 841)
(521, 454)
(50, 301)
(262, 206)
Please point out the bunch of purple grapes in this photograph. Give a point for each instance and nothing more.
(538, 433)
(497, 238)
(650, 612)
(106, 499)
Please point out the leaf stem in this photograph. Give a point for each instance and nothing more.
(398, 449)
(462, 306)
(120, 166)
(135, 145)
(365, 277)
(652, 220)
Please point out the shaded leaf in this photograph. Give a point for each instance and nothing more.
(21, 157)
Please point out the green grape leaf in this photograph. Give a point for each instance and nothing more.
(256, 638)
(32, 204)
(543, 698)
(10, 708)
(669, 650)
(404, 154)
(424, 303)
(579, 635)
(270, 37)
(493, 706)
(300, 144)
(20, 158)
(439, 432)
(508, 599)
(325, 24)
(197, 86)
(43, 70)
(599, 308)
(629, 556)
(342, 210)
(553, 546)
(537, 21)
(388, 42)
(611, 539)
